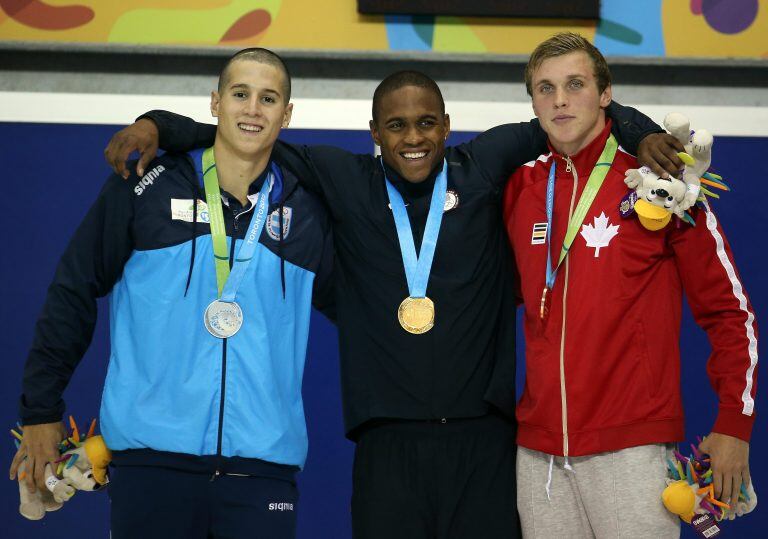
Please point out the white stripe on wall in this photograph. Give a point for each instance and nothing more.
(738, 291)
(53, 107)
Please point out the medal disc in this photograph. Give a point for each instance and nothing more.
(223, 319)
(416, 315)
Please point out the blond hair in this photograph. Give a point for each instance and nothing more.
(566, 43)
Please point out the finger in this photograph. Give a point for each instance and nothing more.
(717, 482)
(658, 166)
(115, 151)
(676, 144)
(735, 488)
(746, 478)
(147, 154)
(30, 478)
(725, 495)
(18, 458)
(123, 155)
(40, 473)
(670, 153)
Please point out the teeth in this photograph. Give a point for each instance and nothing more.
(414, 155)
(246, 127)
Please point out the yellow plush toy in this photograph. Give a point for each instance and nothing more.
(656, 199)
(81, 467)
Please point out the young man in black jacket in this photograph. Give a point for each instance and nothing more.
(424, 302)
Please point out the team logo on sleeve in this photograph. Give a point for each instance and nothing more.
(539, 234)
(273, 223)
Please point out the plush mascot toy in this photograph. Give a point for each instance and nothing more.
(656, 199)
(690, 494)
(82, 466)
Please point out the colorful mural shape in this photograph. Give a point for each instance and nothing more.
(630, 29)
(712, 28)
(715, 28)
(42, 16)
(729, 17)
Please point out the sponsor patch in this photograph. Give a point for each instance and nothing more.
(281, 506)
(148, 179)
(539, 234)
(273, 223)
(181, 210)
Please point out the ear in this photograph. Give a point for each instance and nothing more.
(447, 120)
(606, 97)
(215, 100)
(287, 115)
(375, 133)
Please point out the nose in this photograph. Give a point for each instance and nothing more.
(662, 193)
(413, 135)
(561, 98)
(253, 107)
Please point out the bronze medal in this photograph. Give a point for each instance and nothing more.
(416, 315)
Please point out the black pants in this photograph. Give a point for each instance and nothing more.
(433, 480)
(154, 502)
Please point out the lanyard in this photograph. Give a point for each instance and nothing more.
(227, 282)
(596, 178)
(417, 268)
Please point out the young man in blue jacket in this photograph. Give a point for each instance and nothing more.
(211, 260)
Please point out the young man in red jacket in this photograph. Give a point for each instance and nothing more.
(602, 395)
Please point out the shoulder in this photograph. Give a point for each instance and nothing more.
(159, 170)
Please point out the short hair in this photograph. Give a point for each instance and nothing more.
(565, 43)
(262, 56)
(400, 79)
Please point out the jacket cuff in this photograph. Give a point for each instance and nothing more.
(732, 422)
(31, 415)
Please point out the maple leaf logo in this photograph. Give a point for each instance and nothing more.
(599, 235)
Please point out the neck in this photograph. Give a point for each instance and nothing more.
(572, 148)
(236, 172)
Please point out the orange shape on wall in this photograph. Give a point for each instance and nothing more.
(248, 26)
(37, 14)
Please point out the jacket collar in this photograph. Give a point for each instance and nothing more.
(410, 189)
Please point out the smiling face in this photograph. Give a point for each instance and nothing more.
(411, 129)
(251, 108)
(567, 101)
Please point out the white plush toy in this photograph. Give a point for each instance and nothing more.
(82, 468)
(659, 198)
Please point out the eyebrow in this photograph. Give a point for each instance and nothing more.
(424, 117)
(243, 85)
(569, 77)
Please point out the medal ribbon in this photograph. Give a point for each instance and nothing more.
(596, 179)
(227, 282)
(417, 268)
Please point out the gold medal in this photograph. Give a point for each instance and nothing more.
(416, 315)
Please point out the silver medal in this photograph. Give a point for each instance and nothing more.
(223, 319)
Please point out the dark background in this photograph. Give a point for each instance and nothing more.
(553, 9)
(50, 175)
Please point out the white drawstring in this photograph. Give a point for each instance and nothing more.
(566, 465)
(549, 476)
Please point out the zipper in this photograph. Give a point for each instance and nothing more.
(223, 388)
(563, 398)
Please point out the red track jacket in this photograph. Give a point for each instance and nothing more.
(603, 371)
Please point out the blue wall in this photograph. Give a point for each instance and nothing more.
(45, 196)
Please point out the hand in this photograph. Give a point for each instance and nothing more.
(730, 464)
(658, 151)
(40, 446)
(141, 136)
